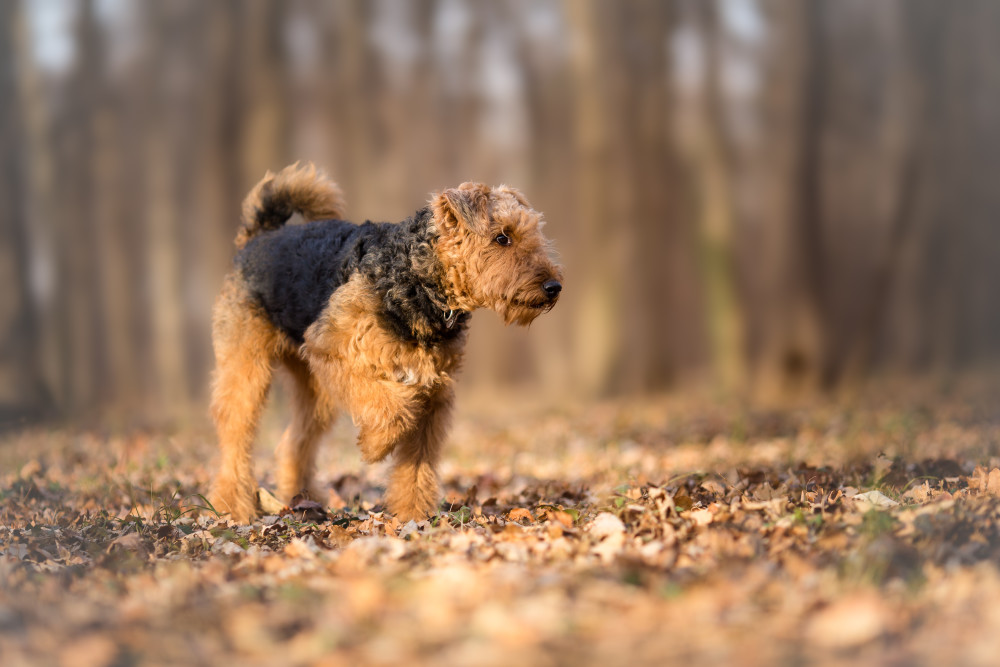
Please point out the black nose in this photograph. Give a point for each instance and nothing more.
(552, 288)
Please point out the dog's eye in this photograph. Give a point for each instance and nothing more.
(503, 239)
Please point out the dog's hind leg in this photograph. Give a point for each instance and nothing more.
(312, 415)
(246, 345)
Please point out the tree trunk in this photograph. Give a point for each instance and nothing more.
(22, 392)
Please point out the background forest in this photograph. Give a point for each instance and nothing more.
(771, 196)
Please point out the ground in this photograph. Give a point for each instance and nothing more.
(638, 531)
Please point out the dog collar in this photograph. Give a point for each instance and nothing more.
(453, 317)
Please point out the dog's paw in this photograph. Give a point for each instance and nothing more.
(238, 508)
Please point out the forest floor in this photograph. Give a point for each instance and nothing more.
(647, 531)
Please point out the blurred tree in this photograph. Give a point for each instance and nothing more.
(600, 224)
(700, 135)
(80, 301)
(21, 386)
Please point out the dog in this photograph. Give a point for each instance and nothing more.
(370, 319)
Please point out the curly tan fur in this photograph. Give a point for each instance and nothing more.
(386, 343)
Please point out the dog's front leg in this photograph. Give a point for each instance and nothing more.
(414, 491)
(385, 412)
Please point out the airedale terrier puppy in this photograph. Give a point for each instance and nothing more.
(370, 319)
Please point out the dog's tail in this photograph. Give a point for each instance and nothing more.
(294, 189)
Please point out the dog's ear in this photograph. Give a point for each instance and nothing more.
(515, 193)
(470, 203)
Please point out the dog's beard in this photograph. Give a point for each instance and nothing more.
(522, 313)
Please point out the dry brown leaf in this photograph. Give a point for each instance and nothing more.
(300, 548)
(766, 492)
(127, 542)
(306, 510)
(560, 516)
(268, 503)
(714, 487)
(227, 548)
(993, 482)
(606, 524)
(519, 514)
(701, 517)
(609, 547)
(881, 466)
(920, 493)
(873, 499)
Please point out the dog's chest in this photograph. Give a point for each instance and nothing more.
(350, 333)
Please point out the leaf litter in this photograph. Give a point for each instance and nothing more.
(653, 530)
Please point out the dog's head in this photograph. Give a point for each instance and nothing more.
(493, 252)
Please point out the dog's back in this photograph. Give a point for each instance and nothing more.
(293, 270)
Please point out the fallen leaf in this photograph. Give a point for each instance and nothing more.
(714, 487)
(606, 524)
(873, 498)
(167, 530)
(302, 548)
(609, 547)
(409, 528)
(127, 542)
(520, 514)
(268, 503)
(562, 517)
(993, 482)
(881, 466)
(701, 517)
(228, 548)
(919, 494)
(308, 510)
(766, 492)
(683, 501)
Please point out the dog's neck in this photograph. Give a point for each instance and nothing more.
(409, 278)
